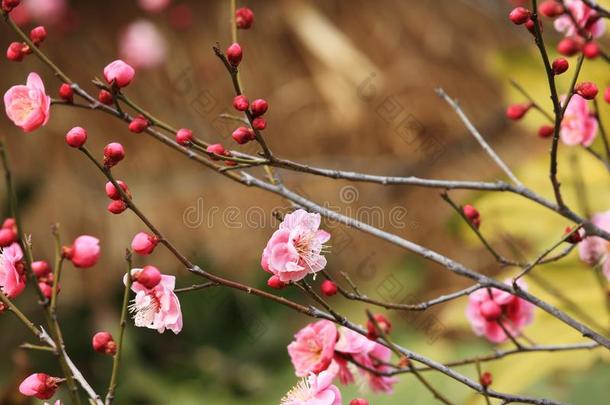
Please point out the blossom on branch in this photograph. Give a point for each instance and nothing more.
(586, 18)
(594, 250)
(28, 106)
(579, 125)
(12, 275)
(314, 390)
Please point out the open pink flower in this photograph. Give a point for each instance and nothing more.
(158, 307)
(488, 307)
(28, 106)
(84, 252)
(594, 250)
(295, 248)
(579, 126)
(313, 348)
(375, 359)
(39, 385)
(142, 45)
(350, 343)
(12, 276)
(315, 390)
(585, 16)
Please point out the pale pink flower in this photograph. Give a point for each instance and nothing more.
(84, 252)
(142, 45)
(585, 17)
(314, 390)
(313, 349)
(12, 276)
(579, 126)
(119, 72)
(46, 11)
(39, 385)
(489, 306)
(294, 250)
(158, 307)
(375, 359)
(28, 106)
(153, 6)
(594, 250)
(350, 343)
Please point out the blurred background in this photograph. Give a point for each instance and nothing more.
(350, 85)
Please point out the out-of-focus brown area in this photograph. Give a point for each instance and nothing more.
(350, 85)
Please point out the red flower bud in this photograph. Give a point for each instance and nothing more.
(117, 207)
(104, 343)
(113, 154)
(472, 215)
(546, 131)
(240, 103)
(234, 54)
(46, 289)
(328, 288)
(517, 111)
(10, 223)
(41, 268)
(38, 34)
(149, 277)
(359, 401)
(586, 90)
(184, 136)
(217, 149)
(259, 107)
(575, 237)
(486, 379)
(144, 243)
(138, 124)
(15, 52)
(529, 24)
(7, 237)
(519, 15)
(550, 8)
(607, 95)
(66, 92)
(259, 123)
(105, 97)
(113, 193)
(244, 17)
(243, 135)
(76, 137)
(275, 282)
(568, 47)
(9, 5)
(560, 65)
(383, 323)
(591, 50)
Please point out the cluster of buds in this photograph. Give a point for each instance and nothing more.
(104, 343)
(44, 275)
(380, 322)
(472, 215)
(118, 204)
(218, 149)
(8, 232)
(257, 109)
(16, 51)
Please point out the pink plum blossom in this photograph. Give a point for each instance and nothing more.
(158, 307)
(314, 390)
(579, 126)
(294, 250)
(488, 307)
(119, 72)
(84, 252)
(142, 45)
(12, 276)
(584, 16)
(313, 349)
(27, 105)
(39, 385)
(594, 250)
(375, 359)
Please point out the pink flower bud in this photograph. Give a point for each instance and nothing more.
(47, 289)
(607, 95)
(105, 97)
(546, 131)
(144, 243)
(10, 223)
(259, 107)
(259, 123)
(104, 343)
(275, 283)
(486, 379)
(84, 252)
(138, 124)
(529, 24)
(591, 50)
(14, 52)
(234, 54)
(550, 8)
(586, 90)
(119, 73)
(66, 92)
(9, 5)
(519, 15)
(217, 149)
(568, 47)
(244, 17)
(243, 135)
(490, 310)
(38, 34)
(517, 111)
(383, 323)
(149, 277)
(472, 215)
(359, 401)
(113, 193)
(113, 154)
(240, 103)
(117, 207)
(328, 288)
(40, 385)
(76, 137)
(7, 237)
(41, 268)
(560, 65)
(184, 136)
